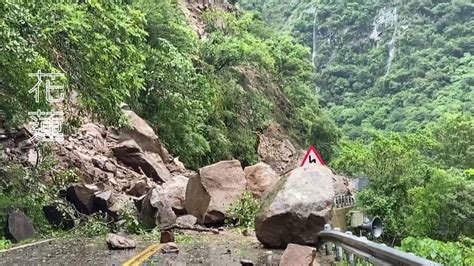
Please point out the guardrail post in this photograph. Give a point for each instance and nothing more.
(339, 252)
(350, 255)
(328, 245)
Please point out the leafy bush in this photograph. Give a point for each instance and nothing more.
(447, 253)
(244, 210)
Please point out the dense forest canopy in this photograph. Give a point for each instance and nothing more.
(389, 65)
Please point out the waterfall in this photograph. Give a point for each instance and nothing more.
(314, 36)
(392, 43)
(391, 52)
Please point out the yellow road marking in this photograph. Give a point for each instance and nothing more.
(143, 256)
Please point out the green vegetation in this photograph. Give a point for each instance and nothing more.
(384, 67)
(207, 98)
(431, 72)
(244, 210)
(450, 253)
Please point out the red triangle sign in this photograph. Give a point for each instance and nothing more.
(312, 157)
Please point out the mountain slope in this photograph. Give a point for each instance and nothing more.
(387, 65)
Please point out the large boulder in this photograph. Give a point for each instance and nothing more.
(210, 193)
(139, 130)
(156, 209)
(82, 197)
(260, 179)
(151, 164)
(298, 207)
(175, 191)
(19, 227)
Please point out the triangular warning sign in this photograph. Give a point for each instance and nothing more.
(312, 157)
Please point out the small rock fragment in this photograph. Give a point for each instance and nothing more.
(246, 263)
(298, 255)
(115, 241)
(166, 237)
(170, 247)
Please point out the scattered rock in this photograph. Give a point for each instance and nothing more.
(298, 207)
(260, 179)
(139, 188)
(82, 197)
(156, 209)
(170, 248)
(280, 154)
(103, 200)
(126, 147)
(246, 263)
(297, 255)
(143, 134)
(166, 237)
(115, 241)
(209, 194)
(104, 163)
(186, 220)
(58, 218)
(19, 226)
(150, 164)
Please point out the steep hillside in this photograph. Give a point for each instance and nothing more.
(385, 65)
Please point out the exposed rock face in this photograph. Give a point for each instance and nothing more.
(156, 209)
(260, 179)
(119, 242)
(298, 255)
(282, 156)
(298, 207)
(209, 194)
(19, 227)
(151, 164)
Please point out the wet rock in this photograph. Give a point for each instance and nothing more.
(166, 236)
(296, 255)
(186, 220)
(150, 164)
(58, 218)
(19, 226)
(82, 197)
(156, 209)
(119, 242)
(298, 207)
(170, 248)
(209, 194)
(175, 190)
(246, 263)
(260, 179)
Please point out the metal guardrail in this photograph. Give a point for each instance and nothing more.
(368, 251)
